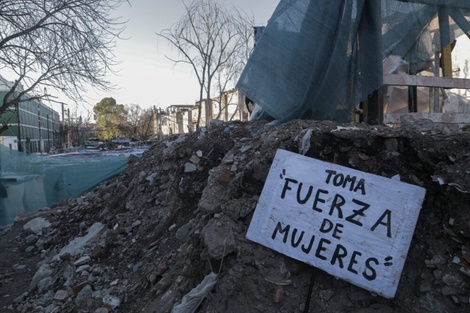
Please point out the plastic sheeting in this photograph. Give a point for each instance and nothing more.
(31, 182)
(318, 59)
(194, 298)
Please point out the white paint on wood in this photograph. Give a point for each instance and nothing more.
(353, 225)
(425, 81)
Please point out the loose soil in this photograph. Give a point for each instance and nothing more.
(165, 217)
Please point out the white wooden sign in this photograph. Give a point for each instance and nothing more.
(353, 225)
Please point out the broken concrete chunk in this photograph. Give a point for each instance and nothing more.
(465, 271)
(61, 295)
(245, 148)
(75, 246)
(82, 260)
(218, 237)
(83, 296)
(229, 157)
(195, 159)
(43, 272)
(112, 301)
(36, 225)
(151, 177)
(190, 168)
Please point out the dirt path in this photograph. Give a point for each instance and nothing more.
(16, 267)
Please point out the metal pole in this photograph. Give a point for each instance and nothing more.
(68, 129)
(48, 138)
(310, 289)
(437, 64)
(20, 148)
(39, 128)
(62, 113)
(53, 130)
(63, 128)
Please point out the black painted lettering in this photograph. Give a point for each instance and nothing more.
(360, 212)
(330, 173)
(351, 181)
(348, 181)
(338, 202)
(337, 231)
(338, 255)
(321, 248)
(353, 261)
(299, 191)
(318, 199)
(287, 187)
(281, 230)
(360, 186)
(370, 273)
(388, 223)
(338, 180)
(307, 249)
(293, 241)
(326, 226)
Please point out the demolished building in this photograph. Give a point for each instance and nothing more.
(174, 223)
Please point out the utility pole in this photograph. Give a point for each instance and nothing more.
(68, 129)
(48, 138)
(20, 147)
(39, 128)
(62, 137)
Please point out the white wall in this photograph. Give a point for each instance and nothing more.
(9, 140)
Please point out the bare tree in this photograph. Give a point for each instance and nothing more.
(146, 124)
(228, 73)
(134, 113)
(140, 121)
(61, 45)
(210, 38)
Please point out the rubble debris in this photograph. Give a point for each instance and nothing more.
(37, 224)
(143, 240)
(193, 299)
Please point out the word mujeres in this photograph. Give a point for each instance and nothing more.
(324, 249)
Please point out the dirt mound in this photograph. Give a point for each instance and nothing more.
(141, 241)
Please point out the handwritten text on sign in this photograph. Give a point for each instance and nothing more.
(353, 225)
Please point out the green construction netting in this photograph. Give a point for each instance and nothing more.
(31, 182)
(318, 59)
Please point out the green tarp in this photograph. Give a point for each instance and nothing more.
(318, 59)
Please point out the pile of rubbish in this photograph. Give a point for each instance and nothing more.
(169, 233)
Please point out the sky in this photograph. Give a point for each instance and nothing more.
(145, 76)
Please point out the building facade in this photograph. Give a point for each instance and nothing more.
(175, 119)
(33, 126)
(179, 119)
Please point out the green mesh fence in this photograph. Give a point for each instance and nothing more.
(31, 182)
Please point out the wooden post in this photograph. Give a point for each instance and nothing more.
(444, 32)
(446, 61)
(437, 65)
(374, 108)
(412, 99)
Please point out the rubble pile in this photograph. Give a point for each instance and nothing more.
(143, 240)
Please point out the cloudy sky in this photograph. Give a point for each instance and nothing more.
(146, 77)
